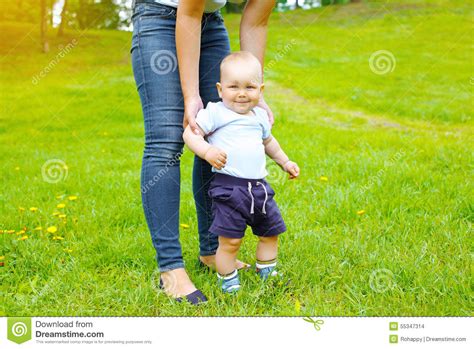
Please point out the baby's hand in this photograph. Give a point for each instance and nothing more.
(216, 157)
(292, 168)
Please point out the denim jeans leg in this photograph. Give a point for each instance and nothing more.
(214, 47)
(157, 79)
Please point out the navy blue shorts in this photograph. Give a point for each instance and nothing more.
(238, 202)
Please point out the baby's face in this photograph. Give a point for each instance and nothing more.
(240, 87)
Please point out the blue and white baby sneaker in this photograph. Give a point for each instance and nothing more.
(266, 269)
(229, 283)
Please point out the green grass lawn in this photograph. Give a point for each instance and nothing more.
(379, 223)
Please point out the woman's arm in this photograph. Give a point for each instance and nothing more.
(188, 49)
(253, 35)
(253, 27)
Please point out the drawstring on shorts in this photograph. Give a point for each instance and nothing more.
(253, 200)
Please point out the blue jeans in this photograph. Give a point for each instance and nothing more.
(157, 78)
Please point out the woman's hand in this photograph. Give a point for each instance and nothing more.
(264, 105)
(191, 107)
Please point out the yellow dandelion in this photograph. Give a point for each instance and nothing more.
(33, 209)
(360, 212)
(10, 231)
(2, 258)
(23, 237)
(38, 228)
(61, 205)
(323, 178)
(184, 226)
(58, 238)
(62, 216)
(21, 209)
(17, 168)
(72, 197)
(68, 250)
(297, 306)
(56, 213)
(20, 232)
(52, 229)
(1, 232)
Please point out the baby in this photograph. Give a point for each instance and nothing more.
(238, 136)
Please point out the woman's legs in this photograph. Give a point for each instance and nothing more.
(156, 75)
(214, 47)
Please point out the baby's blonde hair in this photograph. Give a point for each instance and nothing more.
(243, 56)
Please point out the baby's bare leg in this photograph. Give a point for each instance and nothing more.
(226, 254)
(267, 248)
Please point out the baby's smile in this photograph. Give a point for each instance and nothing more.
(240, 87)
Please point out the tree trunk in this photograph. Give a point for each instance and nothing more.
(51, 14)
(63, 19)
(81, 14)
(44, 26)
(20, 10)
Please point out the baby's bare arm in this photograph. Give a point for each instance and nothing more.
(198, 145)
(273, 150)
(196, 142)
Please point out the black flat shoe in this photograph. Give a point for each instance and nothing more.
(195, 297)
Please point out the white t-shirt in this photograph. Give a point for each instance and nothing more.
(211, 5)
(240, 136)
